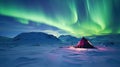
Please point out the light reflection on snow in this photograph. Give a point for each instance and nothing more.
(87, 49)
(76, 49)
(102, 48)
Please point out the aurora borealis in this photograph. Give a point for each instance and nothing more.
(76, 17)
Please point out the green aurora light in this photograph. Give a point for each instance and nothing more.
(67, 15)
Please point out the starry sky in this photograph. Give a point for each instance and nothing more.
(60, 17)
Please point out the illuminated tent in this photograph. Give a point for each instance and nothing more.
(84, 43)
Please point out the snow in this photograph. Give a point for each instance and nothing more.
(53, 56)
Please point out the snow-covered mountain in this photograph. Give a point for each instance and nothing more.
(39, 38)
(107, 40)
(4, 39)
(103, 40)
(68, 39)
(36, 38)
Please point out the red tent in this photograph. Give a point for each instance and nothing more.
(84, 43)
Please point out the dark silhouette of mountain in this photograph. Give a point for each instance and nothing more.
(5, 39)
(106, 40)
(36, 38)
(39, 38)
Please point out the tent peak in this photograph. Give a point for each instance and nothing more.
(84, 43)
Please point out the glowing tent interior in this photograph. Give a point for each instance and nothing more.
(84, 43)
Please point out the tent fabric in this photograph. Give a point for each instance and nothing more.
(84, 43)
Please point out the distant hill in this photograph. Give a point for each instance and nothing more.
(107, 40)
(4, 39)
(36, 38)
(103, 40)
(68, 39)
(39, 38)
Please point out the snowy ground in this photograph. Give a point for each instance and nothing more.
(53, 56)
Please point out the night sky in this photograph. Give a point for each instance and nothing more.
(60, 17)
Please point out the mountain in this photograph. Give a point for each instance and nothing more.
(106, 40)
(68, 39)
(36, 38)
(4, 39)
(101, 40)
(39, 38)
